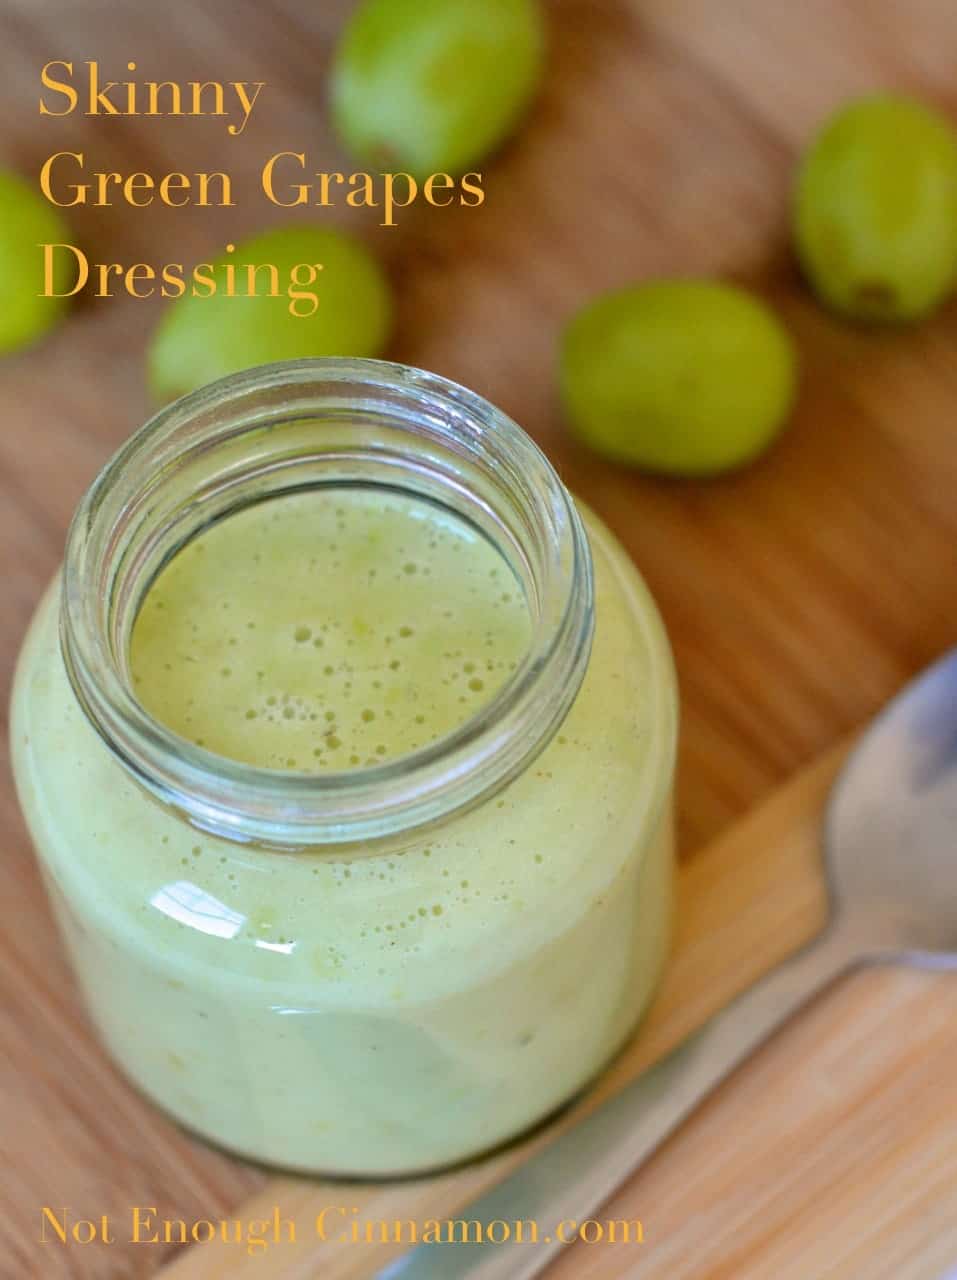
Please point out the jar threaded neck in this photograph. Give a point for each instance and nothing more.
(287, 428)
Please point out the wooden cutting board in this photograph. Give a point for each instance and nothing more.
(832, 1154)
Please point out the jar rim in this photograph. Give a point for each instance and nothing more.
(293, 809)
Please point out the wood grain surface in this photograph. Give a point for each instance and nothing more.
(799, 594)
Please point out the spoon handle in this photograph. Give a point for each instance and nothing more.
(573, 1176)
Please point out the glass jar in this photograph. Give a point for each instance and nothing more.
(382, 970)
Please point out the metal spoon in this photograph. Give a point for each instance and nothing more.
(891, 862)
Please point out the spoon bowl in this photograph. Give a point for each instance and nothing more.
(891, 825)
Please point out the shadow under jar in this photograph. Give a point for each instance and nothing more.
(346, 742)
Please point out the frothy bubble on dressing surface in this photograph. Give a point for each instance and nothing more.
(328, 630)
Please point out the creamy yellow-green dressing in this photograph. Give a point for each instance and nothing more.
(387, 1008)
(328, 631)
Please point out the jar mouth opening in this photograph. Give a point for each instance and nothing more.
(287, 428)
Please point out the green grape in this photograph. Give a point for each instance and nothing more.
(27, 221)
(684, 377)
(433, 86)
(876, 209)
(203, 338)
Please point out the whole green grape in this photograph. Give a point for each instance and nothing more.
(876, 209)
(27, 221)
(202, 338)
(433, 86)
(678, 376)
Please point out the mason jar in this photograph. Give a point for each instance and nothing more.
(384, 964)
